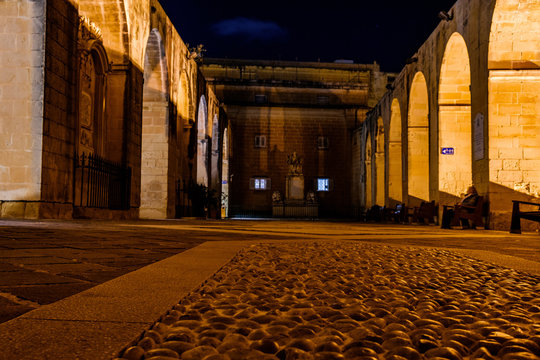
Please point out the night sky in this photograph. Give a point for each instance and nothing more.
(384, 31)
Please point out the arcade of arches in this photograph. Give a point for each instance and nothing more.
(466, 121)
(110, 114)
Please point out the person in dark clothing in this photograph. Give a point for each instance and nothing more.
(468, 202)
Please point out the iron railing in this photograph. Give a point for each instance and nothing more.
(100, 183)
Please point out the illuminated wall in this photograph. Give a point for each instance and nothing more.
(418, 135)
(155, 131)
(202, 142)
(514, 104)
(455, 167)
(395, 177)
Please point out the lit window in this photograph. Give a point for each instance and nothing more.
(322, 142)
(323, 184)
(260, 141)
(259, 183)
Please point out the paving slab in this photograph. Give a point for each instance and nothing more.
(48, 293)
(118, 310)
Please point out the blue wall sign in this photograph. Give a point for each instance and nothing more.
(447, 151)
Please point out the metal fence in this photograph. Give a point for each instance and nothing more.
(100, 183)
(182, 207)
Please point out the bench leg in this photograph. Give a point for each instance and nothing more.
(515, 226)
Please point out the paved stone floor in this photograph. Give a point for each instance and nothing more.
(44, 261)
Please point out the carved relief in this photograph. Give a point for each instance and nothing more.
(86, 69)
(85, 110)
(88, 30)
(89, 85)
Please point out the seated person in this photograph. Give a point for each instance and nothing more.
(468, 202)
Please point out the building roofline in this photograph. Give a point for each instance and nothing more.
(299, 64)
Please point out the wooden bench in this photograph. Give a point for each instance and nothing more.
(517, 215)
(475, 214)
(426, 211)
(375, 213)
(397, 214)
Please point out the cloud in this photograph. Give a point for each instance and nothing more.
(251, 28)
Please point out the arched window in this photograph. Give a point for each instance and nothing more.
(93, 68)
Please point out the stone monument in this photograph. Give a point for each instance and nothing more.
(295, 178)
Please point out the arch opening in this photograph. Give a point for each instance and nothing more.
(418, 142)
(92, 101)
(368, 173)
(225, 175)
(380, 192)
(514, 106)
(157, 180)
(395, 177)
(202, 142)
(455, 139)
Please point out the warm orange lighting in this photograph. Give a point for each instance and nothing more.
(455, 169)
(395, 186)
(418, 133)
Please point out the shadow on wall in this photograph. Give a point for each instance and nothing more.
(500, 198)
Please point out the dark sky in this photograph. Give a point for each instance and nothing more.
(364, 31)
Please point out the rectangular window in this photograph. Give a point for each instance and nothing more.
(324, 184)
(322, 143)
(261, 99)
(259, 183)
(260, 141)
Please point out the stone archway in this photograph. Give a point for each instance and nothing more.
(225, 174)
(514, 105)
(156, 195)
(380, 173)
(368, 173)
(455, 157)
(215, 155)
(418, 144)
(93, 61)
(202, 142)
(395, 177)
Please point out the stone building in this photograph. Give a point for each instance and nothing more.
(464, 111)
(105, 112)
(101, 108)
(276, 108)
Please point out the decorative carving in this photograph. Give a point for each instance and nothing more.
(276, 197)
(86, 69)
(295, 164)
(195, 53)
(85, 110)
(86, 139)
(89, 30)
(311, 198)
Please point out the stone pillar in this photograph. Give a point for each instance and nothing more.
(21, 106)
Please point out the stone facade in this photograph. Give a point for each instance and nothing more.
(78, 80)
(465, 110)
(277, 108)
(113, 80)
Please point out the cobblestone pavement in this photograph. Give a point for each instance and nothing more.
(44, 261)
(351, 300)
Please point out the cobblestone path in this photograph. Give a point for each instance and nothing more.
(351, 300)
